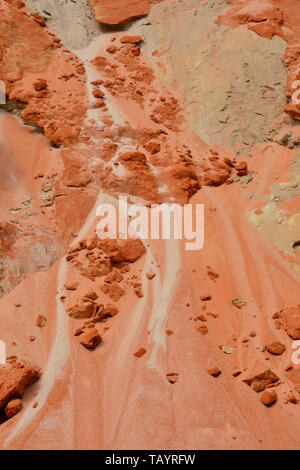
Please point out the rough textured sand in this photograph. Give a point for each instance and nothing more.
(143, 344)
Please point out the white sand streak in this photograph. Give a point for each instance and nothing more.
(58, 358)
(162, 296)
(61, 348)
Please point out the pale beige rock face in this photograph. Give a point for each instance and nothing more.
(233, 80)
(73, 22)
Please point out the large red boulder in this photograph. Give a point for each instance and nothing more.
(118, 11)
(15, 377)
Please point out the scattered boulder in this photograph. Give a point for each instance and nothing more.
(236, 373)
(242, 168)
(98, 93)
(90, 339)
(268, 397)
(290, 317)
(228, 162)
(140, 352)
(41, 321)
(71, 285)
(239, 303)
(172, 377)
(214, 371)
(217, 175)
(123, 250)
(205, 297)
(110, 311)
(292, 399)
(82, 309)
(150, 275)
(78, 332)
(212, 274)
(213, 314)
(107, 311)
(116, 11)
(15, 377)
(202, 329)
(201, 317)
(13, 407)
(90, 295)
(261, 378)
(284, 138)
(131, 39)
(138, 289)
(276, 348)
(226, 350)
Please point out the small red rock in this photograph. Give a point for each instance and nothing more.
(131, 39)
(275, 347)
(98, 93)
(78, 332)
(202, 329)
(201, 317)
(205, 297)
(268, 397)
(138, 291)
(71, 285)
(214, 371)
(140, 352)
(292, 399)
(150, 275)
(90, 339)
(96, 83)
(241, 166)
(91, 295)
(111, 49)
(228, 162)
(212, 274)
(13, 407)
(172, 377)
(236, 373)
(41, 321)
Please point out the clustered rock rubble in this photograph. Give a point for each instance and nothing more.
(15, 377)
